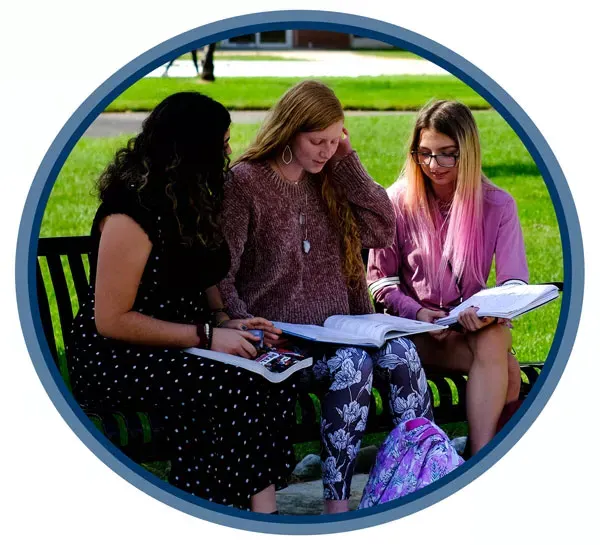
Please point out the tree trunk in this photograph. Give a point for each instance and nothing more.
(208, 68)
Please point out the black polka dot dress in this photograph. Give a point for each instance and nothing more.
(228, 428)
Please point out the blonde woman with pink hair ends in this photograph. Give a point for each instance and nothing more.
(451, 222)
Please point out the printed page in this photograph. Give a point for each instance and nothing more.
(386, 323)
(379, 326)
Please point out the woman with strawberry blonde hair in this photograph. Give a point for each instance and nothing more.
(297, 212)
(451, 222)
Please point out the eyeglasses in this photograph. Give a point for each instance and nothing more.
(443, 160)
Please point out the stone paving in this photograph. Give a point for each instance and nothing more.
(307, 498)
(114, 124)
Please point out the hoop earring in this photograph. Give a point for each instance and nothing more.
(289, 150)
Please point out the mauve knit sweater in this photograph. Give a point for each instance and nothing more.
(270, 275)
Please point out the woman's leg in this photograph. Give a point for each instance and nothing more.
(484, 355)
(264, 501)
(487, 387)
(409, 397)
(514, 379)
(344, 411)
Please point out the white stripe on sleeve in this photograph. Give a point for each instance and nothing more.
(378, 285)
(515, 282)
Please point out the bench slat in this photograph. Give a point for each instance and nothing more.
(80, 279)
(64, 245)
(45, 311)
(61, 291)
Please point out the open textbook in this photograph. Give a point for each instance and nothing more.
(274, 364)
(507, 301)
(369, 330)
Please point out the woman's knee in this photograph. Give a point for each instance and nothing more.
(514, 379)
(350, 367)
(489, 343)
(514, 369)
(397, 354)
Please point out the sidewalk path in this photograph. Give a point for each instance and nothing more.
(114, 124)
(313, 64)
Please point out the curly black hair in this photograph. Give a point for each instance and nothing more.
(177, 163)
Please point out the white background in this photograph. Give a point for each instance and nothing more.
(54, 54)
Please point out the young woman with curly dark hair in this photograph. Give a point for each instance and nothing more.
(157, 256)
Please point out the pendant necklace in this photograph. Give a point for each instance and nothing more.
(305, 242)
(302, 217)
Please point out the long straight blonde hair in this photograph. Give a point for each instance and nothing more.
(462, 248)
(312, 106)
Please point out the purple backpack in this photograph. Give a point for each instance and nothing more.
(416, 453)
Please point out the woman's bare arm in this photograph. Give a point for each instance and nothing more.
(122, 256)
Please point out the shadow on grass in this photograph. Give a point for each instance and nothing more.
(511, 169)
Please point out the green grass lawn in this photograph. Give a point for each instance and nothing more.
(361, 93)
(380, 142)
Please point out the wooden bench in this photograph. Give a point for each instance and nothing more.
(62, 281)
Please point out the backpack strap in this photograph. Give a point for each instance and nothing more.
(415, 423)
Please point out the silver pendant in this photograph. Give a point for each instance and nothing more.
(306, 246)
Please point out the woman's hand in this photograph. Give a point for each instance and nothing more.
(430, 316)
(271, 332)
(233, 341)
(344, 146)
(471, 322)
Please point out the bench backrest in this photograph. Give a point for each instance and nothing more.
(62, 282)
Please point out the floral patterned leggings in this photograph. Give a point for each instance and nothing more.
(345, 407)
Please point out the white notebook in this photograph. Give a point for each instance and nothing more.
(507, 301)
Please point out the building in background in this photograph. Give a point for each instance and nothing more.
(301, 39)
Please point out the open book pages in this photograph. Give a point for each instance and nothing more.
(274, 364)
(507, 301)
(369, 330)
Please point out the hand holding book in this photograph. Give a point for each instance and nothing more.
(470, 321)
(271, 333)
(430, 316)
(242, 337)
(234, 342)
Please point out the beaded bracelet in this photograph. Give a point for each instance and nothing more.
(209, 336)
(205, 333)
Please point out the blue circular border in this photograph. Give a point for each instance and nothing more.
(314, 20)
